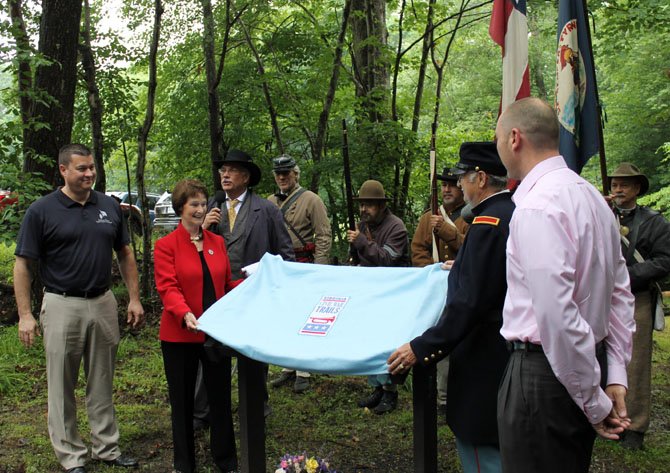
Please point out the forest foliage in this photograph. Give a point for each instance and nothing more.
(279, 77)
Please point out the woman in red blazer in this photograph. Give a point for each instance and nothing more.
(192, 271)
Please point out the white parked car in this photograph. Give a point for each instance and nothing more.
(131, 208)
(165, 215)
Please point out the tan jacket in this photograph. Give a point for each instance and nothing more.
(308, 216)
(450, 241)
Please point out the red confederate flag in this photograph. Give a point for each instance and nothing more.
(509, 29)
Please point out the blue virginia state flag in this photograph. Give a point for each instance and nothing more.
(575, 87)
(327, 319)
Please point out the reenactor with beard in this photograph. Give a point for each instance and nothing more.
(380, 239)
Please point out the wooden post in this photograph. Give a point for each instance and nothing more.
(424, 404)
(251, 380)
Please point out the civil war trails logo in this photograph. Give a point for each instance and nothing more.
(324, 315)
(570, 79)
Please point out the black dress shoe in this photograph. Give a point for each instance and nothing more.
(123, 461)
(76, 469)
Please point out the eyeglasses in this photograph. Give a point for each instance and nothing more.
(231, 170)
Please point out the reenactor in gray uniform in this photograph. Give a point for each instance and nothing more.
(308, 225)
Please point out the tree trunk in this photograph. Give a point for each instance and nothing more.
(396, 68)
(213, 107)
(266, 90)
(394, 104)
(439, 66)
(402, 189)
(24, 73)
(535, 61)
(142, 153)
(94, 102)
(59, 36)
(370, 37)
(320, 140)
(416, 114)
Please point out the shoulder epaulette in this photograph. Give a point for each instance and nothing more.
(486, 220)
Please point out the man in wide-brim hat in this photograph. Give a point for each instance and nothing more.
(236, 159)
(631, 183)
(646, 247)
(380, 239)
(250, 225)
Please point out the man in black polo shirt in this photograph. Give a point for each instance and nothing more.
(71, 233)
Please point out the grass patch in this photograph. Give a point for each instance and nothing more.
(20, 368)
(323, 421)
(7, 263)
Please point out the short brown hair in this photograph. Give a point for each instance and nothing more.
(184, 190)
(66, 152)
(536, 118)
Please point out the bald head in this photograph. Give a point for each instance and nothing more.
(535, 119)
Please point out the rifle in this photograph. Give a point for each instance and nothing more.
(349, 192)
(434, 206)
(434, 202)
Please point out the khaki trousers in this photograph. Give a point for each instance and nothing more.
(74, 329)
(638, 397)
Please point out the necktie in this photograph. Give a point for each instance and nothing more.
(232, 214)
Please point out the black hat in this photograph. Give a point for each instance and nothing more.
(283, 163)
(447, 175)
(632, 171)
(240, 157)
(479, 156)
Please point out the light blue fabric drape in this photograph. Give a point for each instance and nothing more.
(385, 307)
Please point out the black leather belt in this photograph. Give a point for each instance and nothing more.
(517, 345)
(91, 294)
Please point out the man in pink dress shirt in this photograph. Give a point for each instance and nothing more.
(568, 314)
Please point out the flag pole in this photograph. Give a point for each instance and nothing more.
(599, 123)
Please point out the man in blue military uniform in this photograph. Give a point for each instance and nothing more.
(469, 329)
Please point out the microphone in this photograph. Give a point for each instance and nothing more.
(220, 197)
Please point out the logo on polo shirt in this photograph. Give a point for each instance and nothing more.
(102, 217)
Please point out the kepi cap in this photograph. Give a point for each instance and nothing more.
(283, 163)
(479, 156)
(447, 176)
